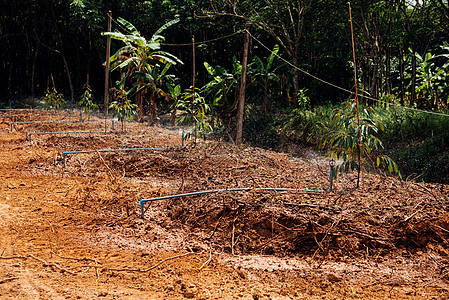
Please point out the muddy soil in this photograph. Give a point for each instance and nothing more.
(77, 231)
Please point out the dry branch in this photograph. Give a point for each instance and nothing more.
(51, 264)
(104, 163)
(8, 279)
(45, 263)
(152, 267)
(78, 259)
(207, 261)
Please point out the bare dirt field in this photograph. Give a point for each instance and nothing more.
(76, 232)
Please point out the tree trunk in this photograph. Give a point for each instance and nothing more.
(64, 59)
(106, 71)
(139, 102)
(265, 102)
(388, 72)
(401, 75)
(413, 93)
(153, 111)
(295, 82)
(69, 77)
(241, 103)
(374, 81)
(33, 77)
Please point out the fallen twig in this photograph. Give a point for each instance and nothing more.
(8, 279)
(395, 282)
(413, 214)
(51, 264)
(380, 240)
(232, 238)
(104, 163)
(425, 190)
(207, 261)
(314, 205)
(215, 228)
(441, 228)
(13, 257)
(152, 267)
(78, 259)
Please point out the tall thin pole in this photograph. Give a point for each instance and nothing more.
(193, 65)
(241, 104)
(353, 56)
(356, 99)
(193, 76)
(106, 71)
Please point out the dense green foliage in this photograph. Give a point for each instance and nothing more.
(300, 62)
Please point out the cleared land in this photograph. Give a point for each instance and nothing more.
(77, 232)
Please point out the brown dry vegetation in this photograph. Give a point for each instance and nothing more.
(77, 232)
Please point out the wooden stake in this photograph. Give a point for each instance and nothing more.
(193, 77)
(356, 99)
(241, 104)
(106, 71)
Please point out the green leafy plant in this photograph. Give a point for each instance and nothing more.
(86, 101)
(196, 109)
(430, 79)
(303, 99)
(175, 92)
(222, 89)
(52, 99)
(262, 75)
(123, 108)
(150, 84)
(140, 56)
(353, 139)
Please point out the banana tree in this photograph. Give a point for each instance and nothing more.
(263, 75)
(431, 79)
(175, 92)
(139, 56)
(151, 84)
(221, 91)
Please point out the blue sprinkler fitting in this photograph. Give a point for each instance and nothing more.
(105, 150)
(143, 201)
(332, 165)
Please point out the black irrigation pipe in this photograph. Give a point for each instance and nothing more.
(143, 201)
(64, 154)
(63, 132)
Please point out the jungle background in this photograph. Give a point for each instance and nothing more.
(300, 66)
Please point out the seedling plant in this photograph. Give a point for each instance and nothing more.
(86, 101)
(196, 108)
(123, 108)
(52, 99)
(353, 139)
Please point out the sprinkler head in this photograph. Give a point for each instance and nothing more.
(332, 163)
